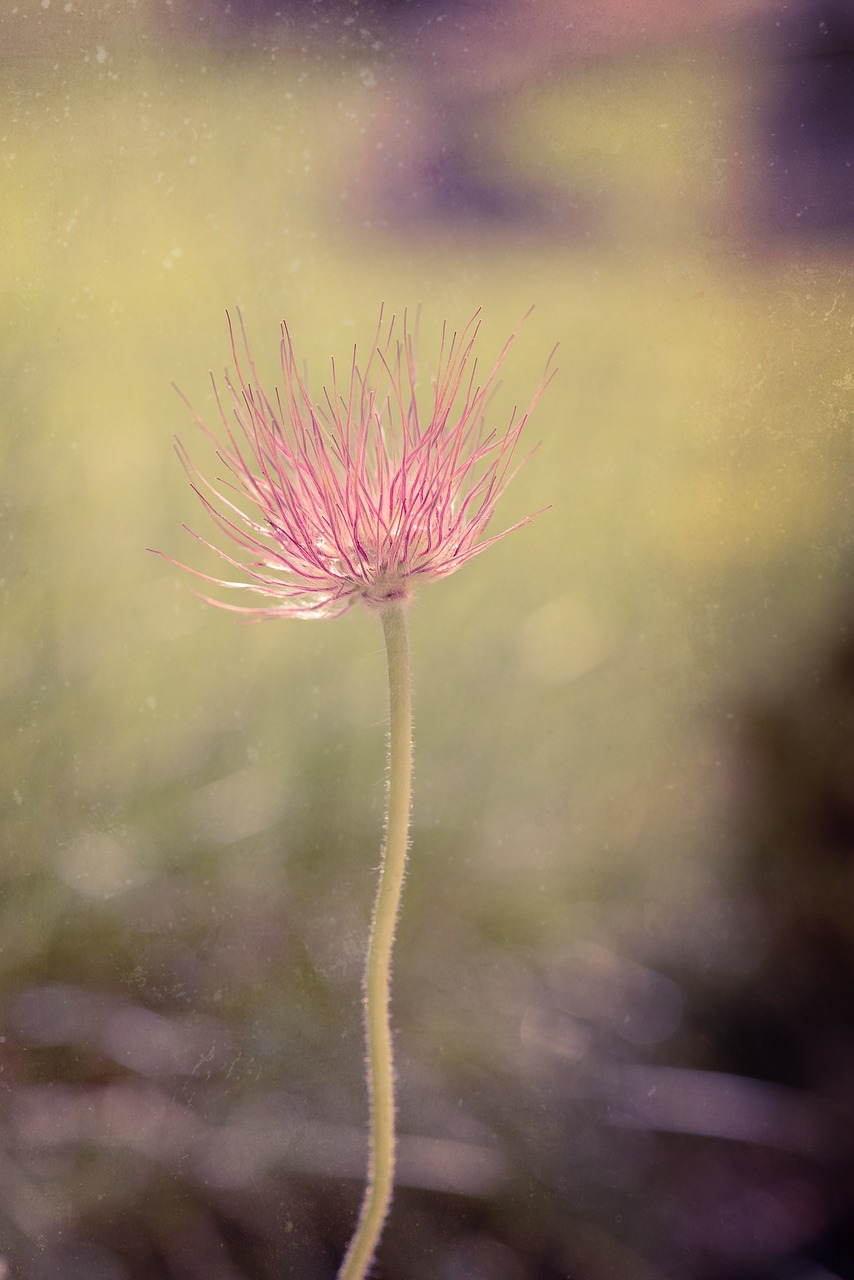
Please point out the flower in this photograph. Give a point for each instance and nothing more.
(360, 495)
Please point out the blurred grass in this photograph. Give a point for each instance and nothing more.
(696, 456)
(199, 797)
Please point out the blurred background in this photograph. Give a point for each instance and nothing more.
(624, 992)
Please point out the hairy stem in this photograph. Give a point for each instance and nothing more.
(378, 1191)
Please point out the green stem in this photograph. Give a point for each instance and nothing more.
(378, 1191)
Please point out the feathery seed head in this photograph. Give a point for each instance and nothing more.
(358, 496)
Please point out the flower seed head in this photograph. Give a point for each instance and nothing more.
(361, 494)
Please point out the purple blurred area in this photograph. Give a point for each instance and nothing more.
(434, 160)
(808, 123)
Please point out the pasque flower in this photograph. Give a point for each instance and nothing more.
(359, 496)
(365, 492)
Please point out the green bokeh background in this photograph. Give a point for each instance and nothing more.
(191, 808)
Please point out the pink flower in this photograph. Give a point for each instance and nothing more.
(361, 495)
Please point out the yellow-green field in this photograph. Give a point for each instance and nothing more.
(191, 808)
